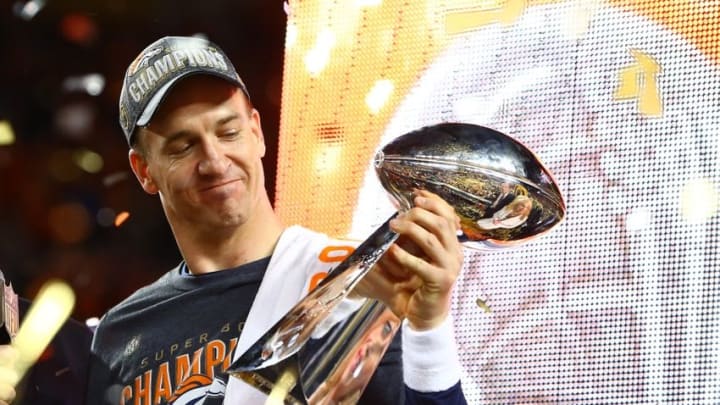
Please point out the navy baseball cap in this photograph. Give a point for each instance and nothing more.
(163, 63)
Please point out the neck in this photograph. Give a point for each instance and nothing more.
(210, 250)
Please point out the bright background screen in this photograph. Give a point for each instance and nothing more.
(619, 99)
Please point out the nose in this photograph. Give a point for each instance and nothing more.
(213, 161)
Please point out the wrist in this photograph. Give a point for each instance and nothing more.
(430, 358)
(423, 325)
(429, 321)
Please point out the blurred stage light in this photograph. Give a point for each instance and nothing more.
(51, 308)
(328, 158)
(378, 96)
(92, 322)
(470, 106)
(121, 218)
(28, 10)
(318, 57)
(106, 217)
(88, 160)
(61, 166)
(7, 136)
(69, 223)
(92, 84)
(291, 35)
(78, 28)
(114, 178)
(699, 200)
(638, 219)
(75, 120)
(579, 16)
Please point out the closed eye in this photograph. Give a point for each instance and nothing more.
(178, 142)
(230, 134)
(179, 147)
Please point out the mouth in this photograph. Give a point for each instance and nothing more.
(217, 186)
(219, 191)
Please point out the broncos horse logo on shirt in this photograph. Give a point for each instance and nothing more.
(195, 391)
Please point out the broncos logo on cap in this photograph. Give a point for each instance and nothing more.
(143, 59)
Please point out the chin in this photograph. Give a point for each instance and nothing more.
(230, 220)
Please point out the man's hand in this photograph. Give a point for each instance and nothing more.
(8, 375)
(416, 275)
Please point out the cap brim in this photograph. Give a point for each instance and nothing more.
(162, 92)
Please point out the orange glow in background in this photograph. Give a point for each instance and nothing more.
(619, 98)
(349, 64)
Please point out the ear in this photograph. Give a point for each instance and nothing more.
(140, 168)
(257, 130)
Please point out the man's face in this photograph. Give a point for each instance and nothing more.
(202, 154)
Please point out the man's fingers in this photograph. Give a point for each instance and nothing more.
(397, 273)
(416, 274)
(389, 277)
(391, 269)
(390, 283)
(435, 216)
(415, 265)
(7, 393)
(421, 228)
(433, 203)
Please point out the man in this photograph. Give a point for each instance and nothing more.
(196, 141)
